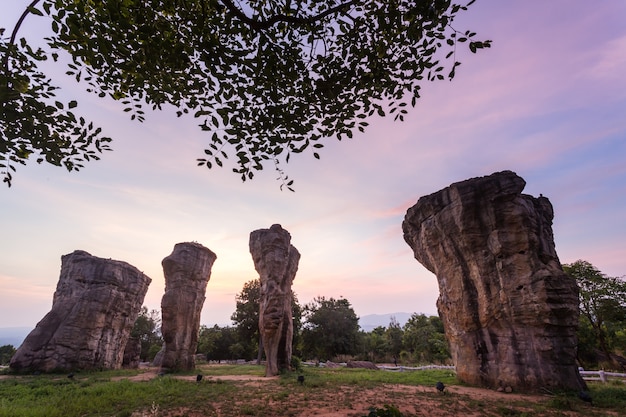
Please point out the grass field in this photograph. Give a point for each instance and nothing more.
(241, 390)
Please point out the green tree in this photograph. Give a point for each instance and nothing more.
(602, 309)
(6, 353)
(374, 344)
(331, 327)
(217, 343)
(296, 311)
(424, 338)
(246, 319)
(263, 79)
(393, 336)
(147, 328)
(207, 340)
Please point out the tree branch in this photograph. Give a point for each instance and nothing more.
(21, 20)
(16, 28)
(265, 24)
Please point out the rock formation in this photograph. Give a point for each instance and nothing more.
(187, 272)
(276, 261)
(510, 312)
(95, 305)
(132, 353)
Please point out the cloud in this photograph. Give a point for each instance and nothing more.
(609, 61)
(14, 310)
(546, 101)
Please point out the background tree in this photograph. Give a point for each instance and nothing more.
(297, 312)
(602, 310)
(331, 328)
(147, 328)
(393, 336)
(264, 79)
(6, 353)
(246, 319)
(208, 338)
(424, 338)
(374, 344)
(219, 343)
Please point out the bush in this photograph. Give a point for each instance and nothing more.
(296, 363)
(386, 411)
(6, 353)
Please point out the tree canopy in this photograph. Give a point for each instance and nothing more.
(331, 328)
(147, 329)
(220, 343)
(246, 316)
(602, 311)
(6, 353)
(264, 79)
(425, 339)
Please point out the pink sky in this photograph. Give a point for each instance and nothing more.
(547, 101)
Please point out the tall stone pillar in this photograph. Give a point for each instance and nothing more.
(187, 272)
(94, 307)
(510, 313)
(276, 261)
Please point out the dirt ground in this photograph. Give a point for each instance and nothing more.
(458, 401)
(354, 400)
(409, 391)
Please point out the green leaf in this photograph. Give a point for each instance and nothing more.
(35, 11)
(260, 90)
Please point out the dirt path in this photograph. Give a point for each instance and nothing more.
(152, 373)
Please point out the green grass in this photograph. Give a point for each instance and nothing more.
(369, 378)
(217, 370)
(53, 396)
(612, 395)
(103, 394)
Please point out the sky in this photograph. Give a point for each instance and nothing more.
(547, 101)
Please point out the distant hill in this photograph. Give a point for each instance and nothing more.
(371, 321)
(13, 335)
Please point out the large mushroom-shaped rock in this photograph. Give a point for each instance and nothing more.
(276, 261)
(94, 307)
(510, 313)
(187, 272)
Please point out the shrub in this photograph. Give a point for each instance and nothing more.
(386, 411)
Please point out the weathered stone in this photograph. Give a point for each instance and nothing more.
(187, 272)
(276, 261)
(158, 358)
(132, 353)
(361, 364)
(94, 307)
(510, 313)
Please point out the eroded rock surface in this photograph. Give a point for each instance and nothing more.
(94, 307)
(276, 261)
(187, 272)
(132, 353)
(510, 312)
